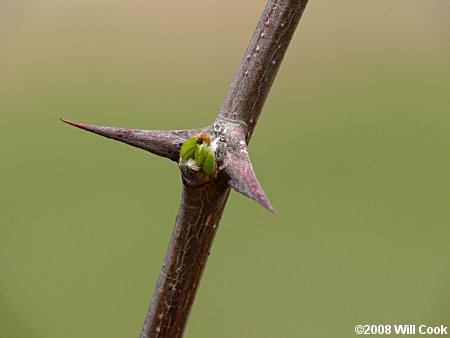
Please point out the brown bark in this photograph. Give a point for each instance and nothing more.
(196, 225)
(261, 62)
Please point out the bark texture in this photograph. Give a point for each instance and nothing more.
(261, 63)
(196, 225)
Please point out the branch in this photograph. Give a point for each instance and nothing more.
(261, 62)
(204, 196)
(196, 225)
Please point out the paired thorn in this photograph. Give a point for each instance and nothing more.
(165, 143)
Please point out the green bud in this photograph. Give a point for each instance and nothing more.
(201, 153)
(209, 166)
(188, 148)
(198, 148)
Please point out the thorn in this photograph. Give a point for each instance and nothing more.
(242, 177)
(165, 143)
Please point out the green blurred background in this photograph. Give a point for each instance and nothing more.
(352, 148)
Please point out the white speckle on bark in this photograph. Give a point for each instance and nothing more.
(208, 219)
(243, 147)
(214, 144)
(192, 164)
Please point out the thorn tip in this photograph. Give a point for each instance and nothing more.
(242, 177)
